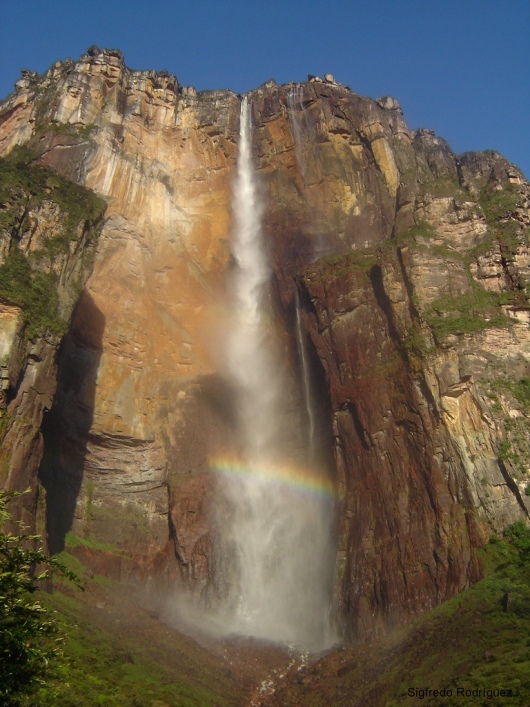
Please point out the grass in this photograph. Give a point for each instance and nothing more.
(499, 206)
(446, 186)
(114, 653)
(72, 541)
(100, 668)
(477, 641)
(469, 312)
(330, 267)
(520, 389)
(421, 229)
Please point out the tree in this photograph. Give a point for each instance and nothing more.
(24, 623)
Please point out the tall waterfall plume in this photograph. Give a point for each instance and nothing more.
(274, 514)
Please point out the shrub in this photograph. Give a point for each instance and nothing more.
(421, 229)
(24, 622)
(471, 311)
(498, 204)
(519, 534)
(34, 291)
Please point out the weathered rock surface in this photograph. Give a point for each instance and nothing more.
(389, 237)
(48, 234)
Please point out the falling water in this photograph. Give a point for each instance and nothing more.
(306, 381)
(306, 150)
(300, 125)
(274, 549)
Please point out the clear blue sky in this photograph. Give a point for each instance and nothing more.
(459, 67)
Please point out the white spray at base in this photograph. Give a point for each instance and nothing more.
(274, 549)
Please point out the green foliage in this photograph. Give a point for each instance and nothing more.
(479, 639)
(472, 311)
(515, 447)
(519, 534)
(521, 391)
(34, 291)
(499, 206)
(360, 260)
(506, 452)
(80, 206)
(416, 347)
(446, 186)
(82, 131)
(487, 244)
(24, 187)
(72, 541)
(421, 229)
(24, 622)
(114, 655)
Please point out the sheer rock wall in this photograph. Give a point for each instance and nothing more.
(387, 234)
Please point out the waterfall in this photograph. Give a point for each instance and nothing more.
(250, 360)
(306, 381)
(273, 516)
(307, 157)
(300, 125)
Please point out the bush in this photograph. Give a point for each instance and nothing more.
(34, 291)
(472, 311)
(498, 204)
(24, 622)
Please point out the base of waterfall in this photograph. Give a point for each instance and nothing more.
(274, 562)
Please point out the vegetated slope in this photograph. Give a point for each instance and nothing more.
(49, 229)
(117, 653)
(472, 647)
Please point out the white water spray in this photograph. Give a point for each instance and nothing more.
(274, 550)
(300, 126)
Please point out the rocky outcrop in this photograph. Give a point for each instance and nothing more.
(412, 267)
(48, 234)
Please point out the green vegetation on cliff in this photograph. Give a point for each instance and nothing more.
(479, 641)
(332, 267)
(21, 180)
(472, 311)
(117, 653)
(34, 291)
(29, 277)
(499, 207)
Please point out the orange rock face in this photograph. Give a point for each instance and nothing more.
(141, 403)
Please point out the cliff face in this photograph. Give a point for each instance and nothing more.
(411, 265)
(48, 234)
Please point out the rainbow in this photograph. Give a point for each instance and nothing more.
(304, 480)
